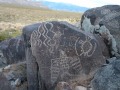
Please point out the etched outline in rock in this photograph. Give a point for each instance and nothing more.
(85, 53)
(63, 64)
(49, 40)
(55, 69)
(35, 37)
(105, 11)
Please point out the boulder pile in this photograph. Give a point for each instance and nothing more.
(56, 55)
(105, 21)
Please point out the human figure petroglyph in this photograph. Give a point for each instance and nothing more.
(63, 64)
(58, 65)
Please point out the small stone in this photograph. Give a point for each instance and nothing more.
(17, 82)
(80, 88)
(63, 86)
(12, 83)
(7, 67)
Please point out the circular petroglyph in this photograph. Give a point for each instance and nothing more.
(84, 47)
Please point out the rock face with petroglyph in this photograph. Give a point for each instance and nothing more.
(13, 50)
(61, 52)
(108, 15)
(27, 30)
(107, 77)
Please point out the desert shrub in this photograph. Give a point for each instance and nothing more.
(4, 35)
(9, 34)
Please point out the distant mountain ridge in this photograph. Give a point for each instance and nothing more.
(64, 6)
(24, 3)
(47, 4)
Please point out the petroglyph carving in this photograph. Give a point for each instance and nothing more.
(45, 35)
(105, 11)
(46, 69)
(86, 47)
(35, 38)
(58, 65)
(75, 64)
(55, 35)
(114, 24)
(110, 16)
(63, 64)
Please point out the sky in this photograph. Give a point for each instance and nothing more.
(87, 3)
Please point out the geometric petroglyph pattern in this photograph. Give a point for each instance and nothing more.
(114, 23)
(86, 47)
(105, 11)
(110, 16)
(57, 65)
(109, 19)
(45, 35)
(35, 38)
(63, 64)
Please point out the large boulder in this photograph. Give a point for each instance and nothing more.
(107, 77)
(108, 15)
(13, 50)
(58, 51)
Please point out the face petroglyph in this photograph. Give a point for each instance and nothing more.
(86, 47)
